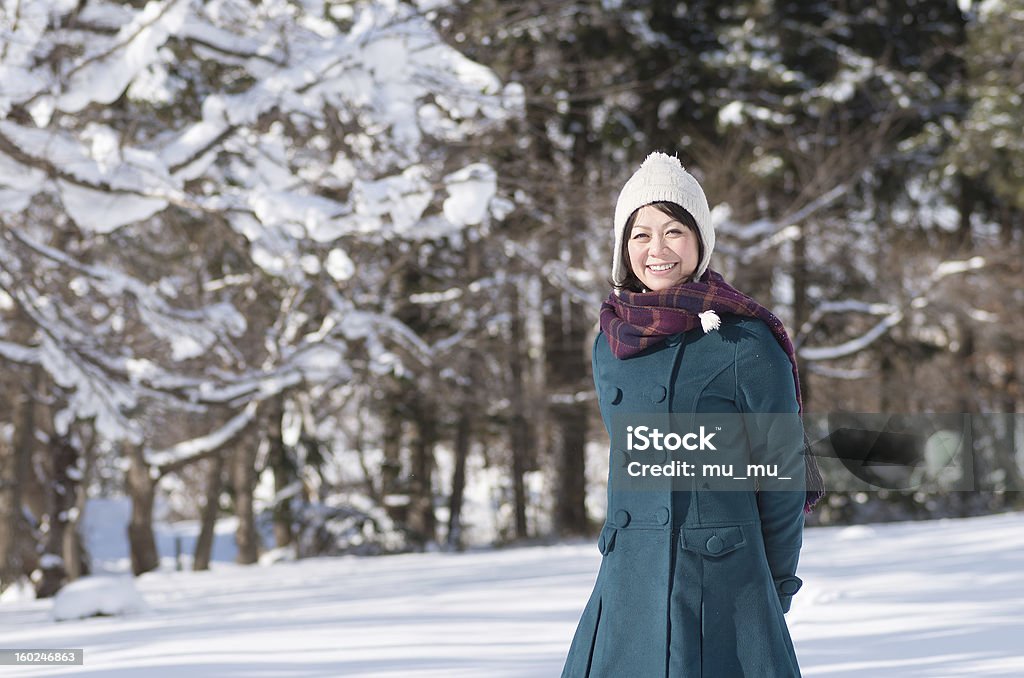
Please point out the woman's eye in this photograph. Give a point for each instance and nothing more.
(639, 235)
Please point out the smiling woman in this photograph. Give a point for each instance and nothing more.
(693, 581)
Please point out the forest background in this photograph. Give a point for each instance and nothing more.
(333, 268)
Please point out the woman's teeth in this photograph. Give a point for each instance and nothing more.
(660, 267)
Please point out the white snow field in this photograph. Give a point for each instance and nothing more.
(915, 600)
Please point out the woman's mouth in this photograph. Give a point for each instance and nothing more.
(660, 268)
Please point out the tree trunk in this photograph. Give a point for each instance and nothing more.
(520, 425)
(1006, 452)
(208, 519)
(888, 396)
(464, 428)
(968, 404)
(391, 468)
(966, 208)
(462, 445)
(142, 490)
(422, 521)
(285, 474)
(63, 492)
(76, 558)
(800, 307)
(243, 479)
(565, 335)
(16, 547)
(10, 512)
(570, 512)
(564, 339)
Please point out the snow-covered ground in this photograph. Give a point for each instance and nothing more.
(916, 600)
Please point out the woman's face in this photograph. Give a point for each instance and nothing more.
(662, 251)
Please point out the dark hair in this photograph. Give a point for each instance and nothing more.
(632, 283)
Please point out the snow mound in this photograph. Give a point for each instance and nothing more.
(855, 532)
(17, 592)
(97, 596)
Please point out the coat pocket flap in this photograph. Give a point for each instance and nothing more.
(712, 541)
(606, 542)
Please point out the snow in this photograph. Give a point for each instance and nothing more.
(321, 362)
(737, 112)
(104, 212)
(16, 176)
(104, 528)
(339, 265)
(987, 8)
(92, 396)
(19, 353)
(469, 192)
(102, 75)
(929, 599)
(207, 443)
(138, 186)
(953, 267)
(344, 158)
(20, 591)
(105, 14)
(854, 345)
(893, 315)
(731, 114)
(93, 596)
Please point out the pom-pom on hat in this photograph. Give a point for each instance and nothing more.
(662, 178)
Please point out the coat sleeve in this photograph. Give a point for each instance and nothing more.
(766, 394)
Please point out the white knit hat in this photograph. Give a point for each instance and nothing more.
(662, 178)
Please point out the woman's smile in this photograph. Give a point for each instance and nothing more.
(660, 268)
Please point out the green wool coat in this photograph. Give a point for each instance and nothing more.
(695, 582)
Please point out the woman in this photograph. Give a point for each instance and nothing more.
(694, 579)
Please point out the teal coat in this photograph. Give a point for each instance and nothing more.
(695, 583)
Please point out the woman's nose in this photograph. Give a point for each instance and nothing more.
(657, 245)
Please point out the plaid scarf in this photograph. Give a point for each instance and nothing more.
(635, 321)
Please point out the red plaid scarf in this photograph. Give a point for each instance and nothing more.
(635, 321)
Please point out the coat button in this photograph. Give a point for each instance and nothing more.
(715, 544)
(661, 516)
(789, 586)
(615, 395)
(621, 518)
(658, 394)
